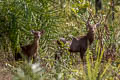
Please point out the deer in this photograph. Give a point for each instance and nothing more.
(30, 51)
(81, 43)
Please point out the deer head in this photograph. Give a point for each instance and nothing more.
(37, 34)
(92, 27)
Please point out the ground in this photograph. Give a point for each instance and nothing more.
(5, 72)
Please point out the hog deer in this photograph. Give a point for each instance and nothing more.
(30, 50)
(81, 43)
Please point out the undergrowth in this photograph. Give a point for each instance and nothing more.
(62, 18)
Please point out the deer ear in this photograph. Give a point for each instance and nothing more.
(97, 25)
(32, 31)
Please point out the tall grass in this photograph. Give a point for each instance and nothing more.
(92, 70)
(94, 66)
(59, 18)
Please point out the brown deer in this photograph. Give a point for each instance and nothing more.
(81, 44)
(30, 50)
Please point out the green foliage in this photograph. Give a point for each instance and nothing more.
(60, 18)
(94, 66)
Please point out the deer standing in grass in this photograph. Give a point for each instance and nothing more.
(81, 43)
(30, 50)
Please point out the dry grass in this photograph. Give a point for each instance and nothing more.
(5, 72)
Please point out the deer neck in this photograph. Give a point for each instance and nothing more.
(90, 36)
(35, 43)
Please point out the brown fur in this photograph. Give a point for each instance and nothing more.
(30, 50)
(81, 44)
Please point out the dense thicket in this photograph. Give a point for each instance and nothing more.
(60, 18)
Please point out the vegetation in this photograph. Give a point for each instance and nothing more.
(59, 18)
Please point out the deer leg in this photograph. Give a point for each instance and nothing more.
(35, 57)
(57, 56)
(82, 55)
(18, 56)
